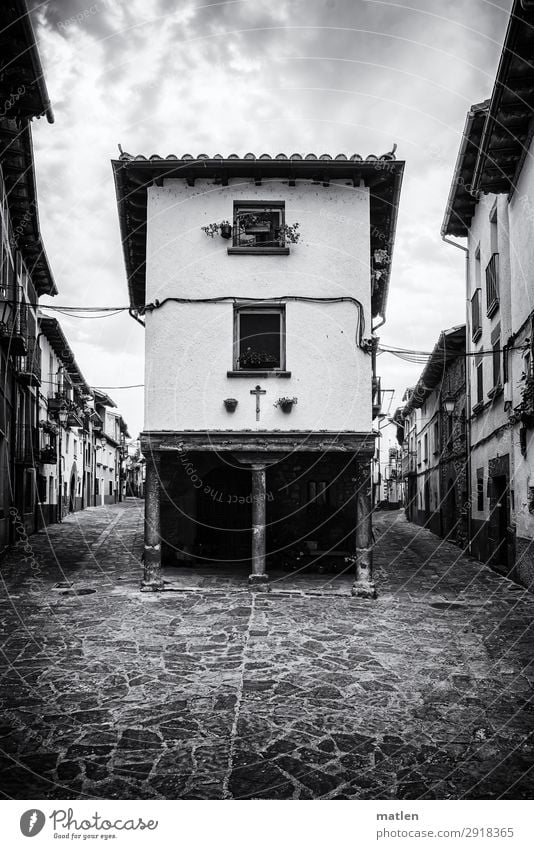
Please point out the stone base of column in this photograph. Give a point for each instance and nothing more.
(363, 589)
(152, 581)
(155, 586)
(259, 583)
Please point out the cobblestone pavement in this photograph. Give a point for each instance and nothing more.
(207, 691)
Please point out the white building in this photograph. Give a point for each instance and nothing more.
(259, 359)
(491, 204)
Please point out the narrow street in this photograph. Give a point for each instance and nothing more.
(207, 691)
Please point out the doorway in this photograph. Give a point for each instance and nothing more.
(500, 520)
(224, 515)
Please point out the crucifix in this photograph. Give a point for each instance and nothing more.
(257, 392)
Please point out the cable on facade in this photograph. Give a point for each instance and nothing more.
(243, 301)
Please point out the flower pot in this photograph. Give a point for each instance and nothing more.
(230, 404)
(286, 408)
(226, 231)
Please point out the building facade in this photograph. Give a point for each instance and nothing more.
(25, 274)
(259, 351)
(111, 451)
(431, 429)
(490, 204)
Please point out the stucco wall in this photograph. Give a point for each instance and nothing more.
(189, 348)
(521, 216)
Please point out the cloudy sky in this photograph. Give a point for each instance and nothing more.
(322, 76)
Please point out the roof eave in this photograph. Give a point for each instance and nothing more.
(318, 170)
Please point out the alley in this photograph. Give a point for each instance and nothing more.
(209, 691)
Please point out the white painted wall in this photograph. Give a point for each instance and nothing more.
(487, 440)
(521, 216)
(189, 348)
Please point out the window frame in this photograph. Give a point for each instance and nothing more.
(274, 308)
(258, 249)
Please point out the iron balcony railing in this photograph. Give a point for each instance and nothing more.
(14, 328)
(29, 366)
(492, 285)
(476, 318)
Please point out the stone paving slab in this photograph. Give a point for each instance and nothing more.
(206, 691)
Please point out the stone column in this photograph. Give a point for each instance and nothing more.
(152, 580)
(363, 586)
(258, 580)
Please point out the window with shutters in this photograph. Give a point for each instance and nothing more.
(480, 379)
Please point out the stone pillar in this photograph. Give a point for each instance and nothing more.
(152, 580)
(363, 586)
(258, 580)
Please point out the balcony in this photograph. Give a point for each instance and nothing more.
(48, 455)
(492, 285)
(377, 397)
(29, 366)
(27, 445)
(14, 329)
(476, 319)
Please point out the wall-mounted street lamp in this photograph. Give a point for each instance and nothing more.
(449, 404)
(103, 442)
(63, 416)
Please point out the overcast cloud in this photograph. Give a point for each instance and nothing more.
(341, 76)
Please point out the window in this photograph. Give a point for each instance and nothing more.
(436, 437)
(492, 268)
(317, 492)
(480, 490)
(111, 487)
(258, 226)
(259, 338)
(496, 355)
(476, 323)
(480, 378)
(418, 452)
(425, 449)
(497, 363)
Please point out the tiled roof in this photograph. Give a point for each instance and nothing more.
(298, 157)
(133, 174)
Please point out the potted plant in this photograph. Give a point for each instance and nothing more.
(286, 404)
(224, 227)
(230, 404)
(288, 233)
(257, 359)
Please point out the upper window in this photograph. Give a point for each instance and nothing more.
(476, 321)
(259, 224)
(259, 338)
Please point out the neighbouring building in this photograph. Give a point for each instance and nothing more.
(260, 381)
(393, 495)
(25, 274)
(431, 428)
(66, 458)
(111, 451)
(135, 470)
(491, 204)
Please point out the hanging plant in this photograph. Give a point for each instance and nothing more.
(289, 233)
(285, 404)
(224, 227)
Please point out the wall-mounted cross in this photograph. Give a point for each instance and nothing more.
(257, 392)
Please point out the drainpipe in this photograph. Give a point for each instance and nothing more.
(467, 398)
